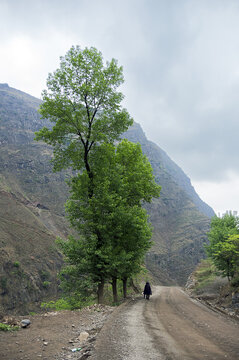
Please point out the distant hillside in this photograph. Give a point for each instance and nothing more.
(179, 217)
(159, 159)
(32, 209)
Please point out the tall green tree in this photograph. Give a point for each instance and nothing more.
(123, 179)
(84, 105)
(226, 256)
(223, 244)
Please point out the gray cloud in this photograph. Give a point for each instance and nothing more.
(181, 65)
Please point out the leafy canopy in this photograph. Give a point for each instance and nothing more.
(114, 226)
(223, 246)
(84, 105)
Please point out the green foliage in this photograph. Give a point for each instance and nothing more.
(67, 303)
(60, 304)
(105, 206)
(114, 226)
(6, 327)
(223, 246)
(46, 284)
(83, 103)
(16, 264)
(221, 228)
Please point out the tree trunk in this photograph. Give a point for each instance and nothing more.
(125, 287)
(114, 288)
(100, 291)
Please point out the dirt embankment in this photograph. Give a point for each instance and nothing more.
(54, 335)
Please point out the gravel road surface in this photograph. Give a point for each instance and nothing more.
(170, 326)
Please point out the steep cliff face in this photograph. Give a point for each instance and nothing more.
(32, 201)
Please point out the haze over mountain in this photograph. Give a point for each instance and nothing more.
(32, 201)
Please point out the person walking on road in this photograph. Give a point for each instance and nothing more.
(147, 290)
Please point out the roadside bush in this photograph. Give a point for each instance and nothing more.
(46, 284)
(5, 327)
(68, 303)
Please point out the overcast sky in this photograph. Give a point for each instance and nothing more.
(181, 68)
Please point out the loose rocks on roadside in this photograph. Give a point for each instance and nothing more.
(59, 335)
(81, 345)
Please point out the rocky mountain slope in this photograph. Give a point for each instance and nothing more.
(32, 209)
(180, 218)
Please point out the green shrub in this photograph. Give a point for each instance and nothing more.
(46, 284)
(60, 304)
(67, 303)
(5, 327)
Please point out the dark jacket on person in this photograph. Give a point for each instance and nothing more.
(147, 289)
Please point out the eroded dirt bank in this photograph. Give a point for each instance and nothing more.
(54, 335)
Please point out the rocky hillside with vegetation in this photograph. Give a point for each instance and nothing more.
(216, 279)
(32, 201)
(208, 285)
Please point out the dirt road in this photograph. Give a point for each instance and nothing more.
(170, 326)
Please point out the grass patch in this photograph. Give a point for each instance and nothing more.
(67, 303)
(6, 327)
(60, 304)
